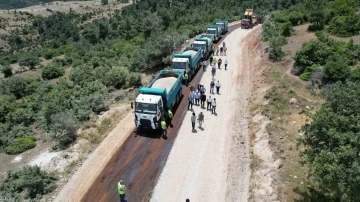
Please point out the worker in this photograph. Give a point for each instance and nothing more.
(169, 116)
(225, 49)
(226, 63)
(212, 85)
(217, 85)
(219, 63)
(211, 59)
(203, 99)
(163, 127)
(217, 50)
(193, 120)
(121, 190)
(204, 65)
(223, 43)
(186, 77)
(192, 88)
(202, 89)
(209, 101)
(221, 50)
(213, 71)
(190, 100)
(197, 97)
(213, 106)
(214, 61)
(201, 119)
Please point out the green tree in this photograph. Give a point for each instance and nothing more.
(63, 129)
(29, 180)
(29, 60)
(51, 71)
(6, 70)
(337, 70)
(332, 143)
(104, 2)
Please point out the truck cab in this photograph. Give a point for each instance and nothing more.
(213, 31)
(148, 111)
(180, 64)
(202, 45)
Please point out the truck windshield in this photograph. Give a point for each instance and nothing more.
(211, 32)
(145, 108)
(179, 65)
(199, 46)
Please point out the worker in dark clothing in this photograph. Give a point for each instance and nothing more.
(211, 59)
(203, 99)
(221, 50)
(190, 99)
(212, 86)
(219, 63)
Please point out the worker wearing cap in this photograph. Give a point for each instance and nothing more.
(121, 190)
(163, 127)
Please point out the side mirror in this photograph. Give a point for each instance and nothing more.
(132, 105)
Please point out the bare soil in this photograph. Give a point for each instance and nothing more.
(278, 174)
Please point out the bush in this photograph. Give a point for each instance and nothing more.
(337, 70)
(52, 71)
(287, 29)
(314, 27)
(6, 70)
(29, 60)
(20, 145)
(276, 53)
(48, 54)
(63, 129)
(306, 75)
(29, 180)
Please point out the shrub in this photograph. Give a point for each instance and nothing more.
(6, 70)
(337, 70)
(63, 129)
(287, 29)
(314, 27)
(29, 60)
(276, 53)
(51, 71)
(30, 179)
(306, 75)
(20, 145)
(48, 54)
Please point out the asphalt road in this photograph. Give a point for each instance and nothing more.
(141, 158)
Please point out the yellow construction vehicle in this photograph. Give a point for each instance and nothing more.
(250, 19)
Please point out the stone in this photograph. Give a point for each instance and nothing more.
(293, 101)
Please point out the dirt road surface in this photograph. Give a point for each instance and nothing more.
(137, 158)
(213, 164)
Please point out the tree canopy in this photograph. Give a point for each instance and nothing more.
(332, 142)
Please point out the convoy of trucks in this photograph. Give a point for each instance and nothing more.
(165, 90)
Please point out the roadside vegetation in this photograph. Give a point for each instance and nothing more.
(313, 101)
